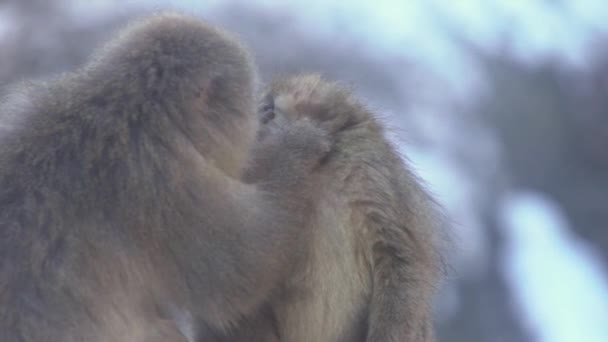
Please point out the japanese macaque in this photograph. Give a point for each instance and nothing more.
(372, 265)
(123, 214)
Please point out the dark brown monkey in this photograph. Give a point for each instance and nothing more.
(122, 216)
(372, 265)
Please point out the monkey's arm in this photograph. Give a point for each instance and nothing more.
(400, 309)
(405, 268)
(251, 234)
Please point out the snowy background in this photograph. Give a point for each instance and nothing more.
(502, 106)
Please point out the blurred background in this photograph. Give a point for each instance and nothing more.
(501, 106)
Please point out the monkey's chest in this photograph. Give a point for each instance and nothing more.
(329, 294)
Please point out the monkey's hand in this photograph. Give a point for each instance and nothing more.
(288, 151)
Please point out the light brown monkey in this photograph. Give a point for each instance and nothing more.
(122, 216)
(372, 265)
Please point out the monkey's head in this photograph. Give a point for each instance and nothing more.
(177, 74)
(309, 96)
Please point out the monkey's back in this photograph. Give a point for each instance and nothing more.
(329, 295)
(40, 248)
(364, 220)
(64, 209)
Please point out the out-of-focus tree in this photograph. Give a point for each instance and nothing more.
(553, 124)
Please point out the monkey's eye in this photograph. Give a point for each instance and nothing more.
(267, 109)
(266, 117)
(267, 103)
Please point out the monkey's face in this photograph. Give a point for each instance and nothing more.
(233, 139)
(241, 145)
(224, 121)
(309, 97)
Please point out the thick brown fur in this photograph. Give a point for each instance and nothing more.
(122, 216)
(372, 266)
